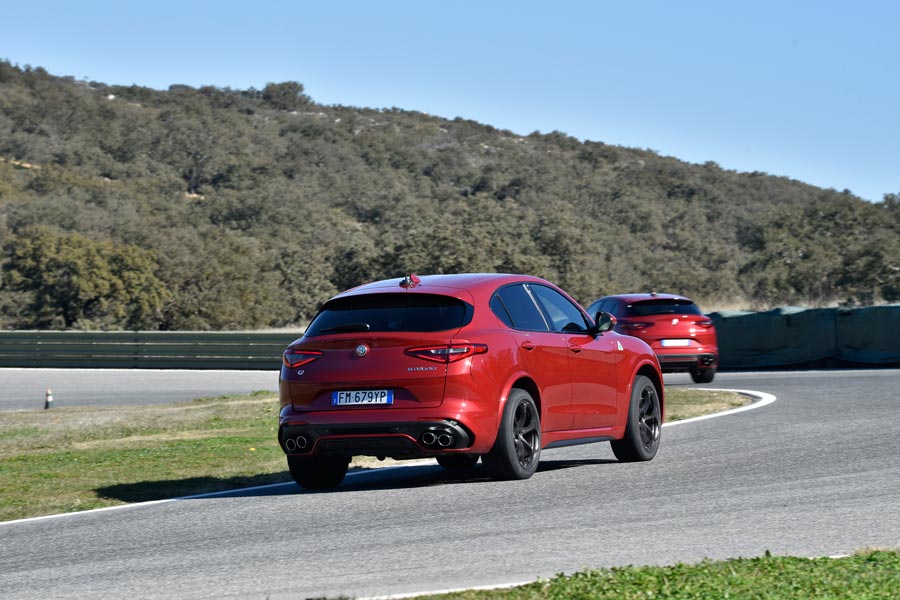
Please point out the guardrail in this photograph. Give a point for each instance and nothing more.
(143, 349)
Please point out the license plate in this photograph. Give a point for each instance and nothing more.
(675, 343)
(360, 397)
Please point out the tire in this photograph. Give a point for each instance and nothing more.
(517, 451)
(318, 472)
(457, 462)
(703, 375)
(644, 424)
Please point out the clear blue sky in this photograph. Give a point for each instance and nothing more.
(805, 89)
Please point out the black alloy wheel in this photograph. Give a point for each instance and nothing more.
(703, 375)
(644, 424)
(517, 451)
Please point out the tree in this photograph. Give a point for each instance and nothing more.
(285, 96)
(75, 281)
(219, 280)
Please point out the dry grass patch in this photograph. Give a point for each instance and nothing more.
(76, 458)
(684, 403)
(136, 441)
(79, 427)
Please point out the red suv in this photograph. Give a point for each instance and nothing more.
(462, 367)
(683, 338)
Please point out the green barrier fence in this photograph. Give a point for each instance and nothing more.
(783, 337)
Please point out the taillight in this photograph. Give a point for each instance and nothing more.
(634, 325)
(703, 324)
(448, 353)
(294, 357)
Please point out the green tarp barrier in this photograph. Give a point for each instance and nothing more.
(869, 335)
(792, 336)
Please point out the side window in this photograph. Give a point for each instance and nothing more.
(500, 310)
(564, 316)
(612, 307)
(521, 311)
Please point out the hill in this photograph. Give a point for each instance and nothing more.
(210, 208)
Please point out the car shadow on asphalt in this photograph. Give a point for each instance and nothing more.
(278, 484)
(422, 476)
(145, 491)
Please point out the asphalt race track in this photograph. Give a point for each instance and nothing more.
(26, 388)
(815, 473)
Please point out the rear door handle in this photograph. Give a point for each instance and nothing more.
(528, 345)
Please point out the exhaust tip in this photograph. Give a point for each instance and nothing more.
(444, 440)
(295, 443)
(428, 438)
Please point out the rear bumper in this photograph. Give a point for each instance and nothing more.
(670, 363)
(399, 440)
(461, 417)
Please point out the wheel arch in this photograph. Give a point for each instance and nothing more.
(528, 384)
(654, 376)
(519, 380)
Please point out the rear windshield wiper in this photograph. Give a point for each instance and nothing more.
(346, 328)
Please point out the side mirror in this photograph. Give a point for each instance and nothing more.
(603, 322)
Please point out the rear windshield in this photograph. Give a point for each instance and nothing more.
(391, 312)
(662, 307)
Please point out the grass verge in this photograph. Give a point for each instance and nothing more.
(78, 458)
(871, 575)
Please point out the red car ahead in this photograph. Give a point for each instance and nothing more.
(458, 367)
(680, 334)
